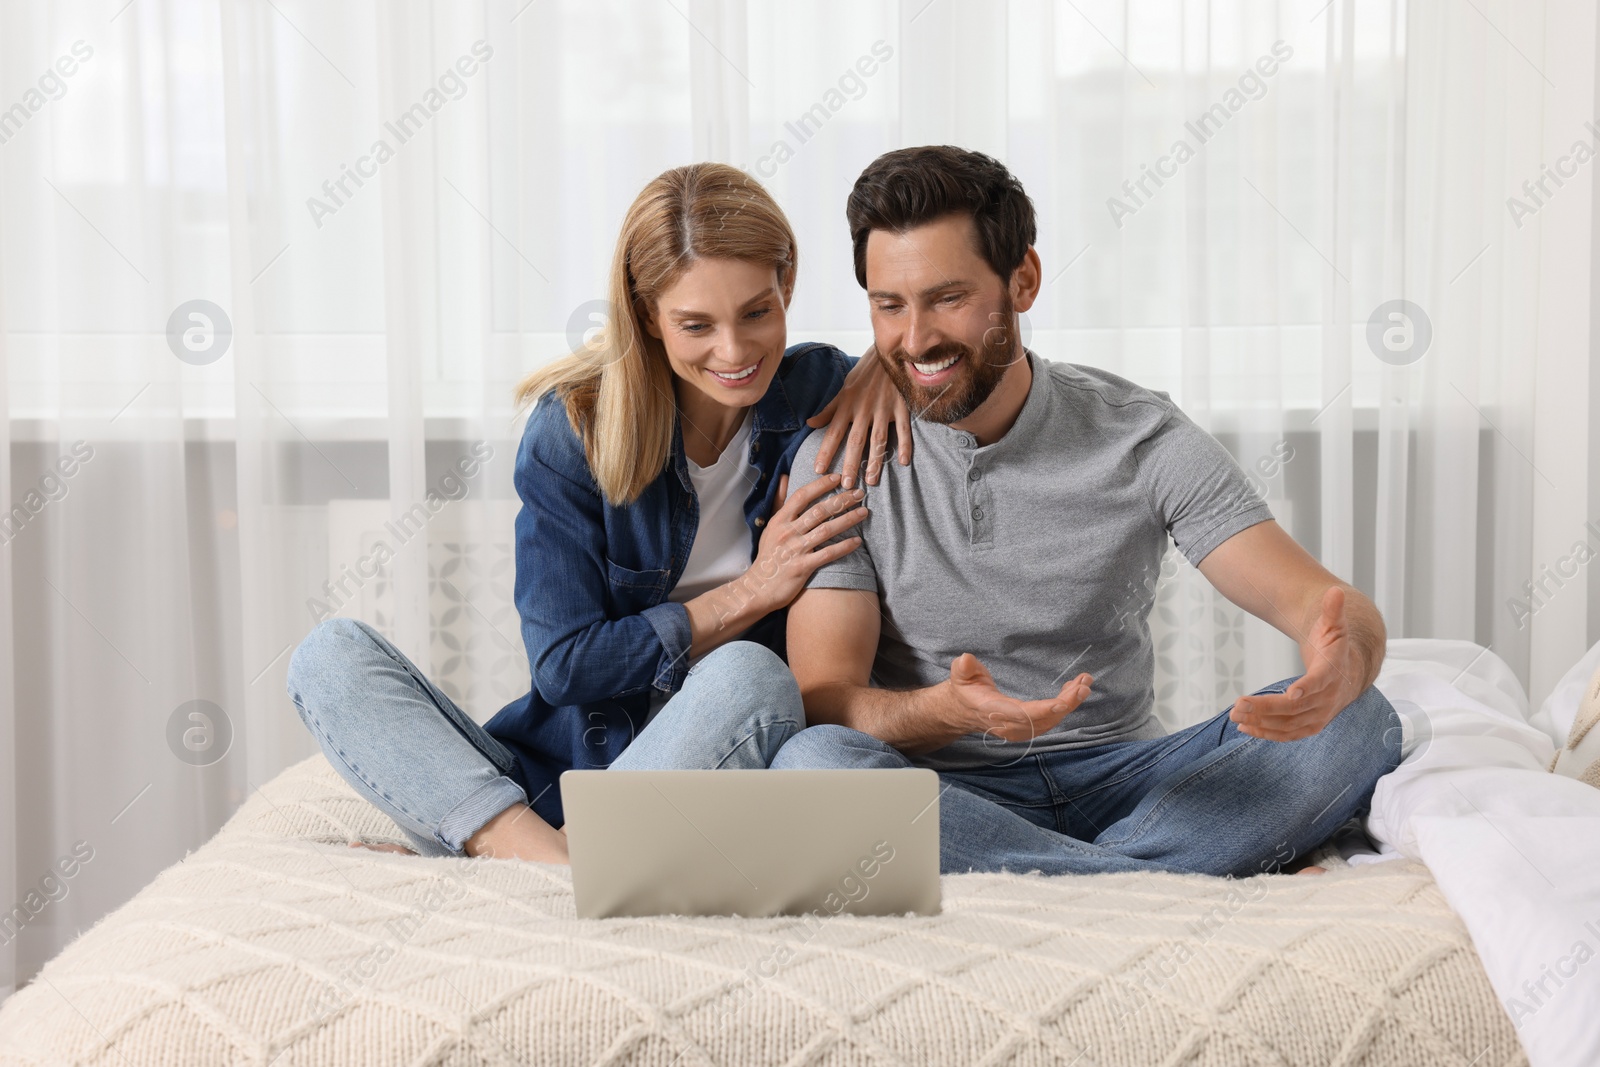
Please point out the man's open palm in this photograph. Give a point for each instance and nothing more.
(1332, 679)
(984, 709)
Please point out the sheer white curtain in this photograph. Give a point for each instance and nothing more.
(399, 209)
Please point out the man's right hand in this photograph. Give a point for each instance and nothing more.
(833, 639)
(977, 705)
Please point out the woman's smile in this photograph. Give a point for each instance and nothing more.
(736, 379)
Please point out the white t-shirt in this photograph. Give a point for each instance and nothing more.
(721, 549)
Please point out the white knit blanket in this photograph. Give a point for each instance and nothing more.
(275, 944)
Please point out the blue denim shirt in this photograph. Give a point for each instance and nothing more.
(592, 579)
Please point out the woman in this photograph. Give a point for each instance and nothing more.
(656, 548)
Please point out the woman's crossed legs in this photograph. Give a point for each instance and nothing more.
(405, 746)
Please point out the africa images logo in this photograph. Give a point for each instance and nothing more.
(451, 85)
(1250, 87)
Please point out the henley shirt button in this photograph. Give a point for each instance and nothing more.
(977, 513)
(973, 475)
(761, 520)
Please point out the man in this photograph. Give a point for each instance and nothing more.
(997, 565)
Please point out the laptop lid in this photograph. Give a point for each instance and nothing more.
(753, 842)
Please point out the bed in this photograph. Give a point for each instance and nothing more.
(277, 944)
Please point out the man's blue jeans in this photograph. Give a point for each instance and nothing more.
(1207, 799)
(406, 747)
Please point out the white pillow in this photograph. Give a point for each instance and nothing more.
(1555, 715)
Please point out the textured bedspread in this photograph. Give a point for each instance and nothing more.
(274, 944)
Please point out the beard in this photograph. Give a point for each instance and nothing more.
(977, 374)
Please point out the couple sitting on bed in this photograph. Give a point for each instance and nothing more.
(678, 541)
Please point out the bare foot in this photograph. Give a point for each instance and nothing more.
(1312, 870)
(518, 833)
(382, 848)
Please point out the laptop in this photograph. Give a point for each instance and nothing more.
(753, 842)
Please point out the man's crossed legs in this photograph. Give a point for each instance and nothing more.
(1207, 799)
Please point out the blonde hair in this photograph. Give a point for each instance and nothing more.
(618, 388)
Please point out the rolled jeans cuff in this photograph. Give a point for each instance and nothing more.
(469, 816)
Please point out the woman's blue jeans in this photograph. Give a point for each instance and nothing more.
(407, 747)
(1208, 799)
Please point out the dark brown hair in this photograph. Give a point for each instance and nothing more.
(908, 187)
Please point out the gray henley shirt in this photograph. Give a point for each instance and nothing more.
(1038, 553)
